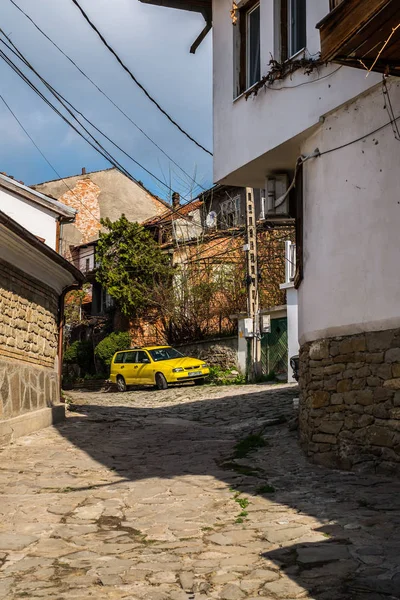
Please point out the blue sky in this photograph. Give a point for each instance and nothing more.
(154, 42)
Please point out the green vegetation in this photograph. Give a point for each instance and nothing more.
(220, 376)
(80, 353)
(131, 266)
(111, 344)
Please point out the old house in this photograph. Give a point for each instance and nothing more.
(33, 281)
(101, 194)
(206, 238)
(308, 88)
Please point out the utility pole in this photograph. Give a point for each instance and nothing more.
(253, 301)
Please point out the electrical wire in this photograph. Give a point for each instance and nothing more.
(127, 70)
(45, 157)
(63, 101)
(105, 95)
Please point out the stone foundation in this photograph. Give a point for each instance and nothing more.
(350, 401)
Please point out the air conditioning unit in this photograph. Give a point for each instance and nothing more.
(276, 202)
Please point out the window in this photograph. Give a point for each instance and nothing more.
(119, 358)
(230, 213)
(142, 357)
(87, 267)
(247, 43)
(165, 354)
(293, 27)
(130, 358)
(253, 46)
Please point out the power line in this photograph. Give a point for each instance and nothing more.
(113, 52)
(105, 153)
(104, 93)
(100, 148)
(45, 157)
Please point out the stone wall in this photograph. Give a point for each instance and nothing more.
(28, 343)
(222, 352)
(350, 401)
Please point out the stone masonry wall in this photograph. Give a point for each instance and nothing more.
(220, 352)
(350, 401)
(28, 343)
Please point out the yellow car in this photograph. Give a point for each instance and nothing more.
(155, 365)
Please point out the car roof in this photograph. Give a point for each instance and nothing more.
(143, 348)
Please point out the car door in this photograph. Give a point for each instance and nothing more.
(118, 366)
(130, 367)
(145, 368)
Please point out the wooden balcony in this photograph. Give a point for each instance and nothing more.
(364, 34)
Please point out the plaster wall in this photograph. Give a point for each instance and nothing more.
(36, 219)
(259, 129)
(352, 223)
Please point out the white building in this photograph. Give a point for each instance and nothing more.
(39, 214)
(277, 105)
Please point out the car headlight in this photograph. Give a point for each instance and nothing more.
(178, 370)
(204, 367)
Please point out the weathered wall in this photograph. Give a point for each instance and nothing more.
(350, 401)
(254, 136)
(351, 223)
(222, 352)
(28, 344)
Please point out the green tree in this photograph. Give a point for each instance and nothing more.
(105, 350)
(131, 265)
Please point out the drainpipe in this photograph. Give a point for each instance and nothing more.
(61, 323)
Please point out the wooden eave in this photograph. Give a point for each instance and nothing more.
(355, 32)
(202, 6)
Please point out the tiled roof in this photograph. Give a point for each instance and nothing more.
(173, 214)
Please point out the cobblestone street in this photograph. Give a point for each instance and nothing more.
(143, 495)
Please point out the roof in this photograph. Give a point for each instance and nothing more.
(202, 6)
(83, 175)
(23, 250)
(174, 214)
(38, 198)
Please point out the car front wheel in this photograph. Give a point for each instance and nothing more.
(121, 385)
(161, 382)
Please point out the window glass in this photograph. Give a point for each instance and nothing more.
(142, 357)
(130, 357)
(297, 26)
(253, 46)
(119, 358)
(165, 354)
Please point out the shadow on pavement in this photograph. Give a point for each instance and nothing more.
(351, 552)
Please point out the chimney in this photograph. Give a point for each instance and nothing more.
(83, 170)
(176, 200)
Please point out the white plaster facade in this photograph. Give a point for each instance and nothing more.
(256, 136)
(34, 211)
(351, 195)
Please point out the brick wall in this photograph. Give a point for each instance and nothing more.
(28, 343)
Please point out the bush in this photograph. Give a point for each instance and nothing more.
(81, 354)
(105, 350)
(220, 376)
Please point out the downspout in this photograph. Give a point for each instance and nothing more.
(61, 324)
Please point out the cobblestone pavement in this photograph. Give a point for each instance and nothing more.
(139, 496)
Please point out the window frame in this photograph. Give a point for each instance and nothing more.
(286, 42)
(242, 48)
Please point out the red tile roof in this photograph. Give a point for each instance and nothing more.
(173, 214)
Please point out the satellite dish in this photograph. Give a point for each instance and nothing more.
(211, 220)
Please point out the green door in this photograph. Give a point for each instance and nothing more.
(274, 349)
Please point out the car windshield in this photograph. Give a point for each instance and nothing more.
(165, 354)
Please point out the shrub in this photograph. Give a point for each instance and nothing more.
(105, 350)
(81, 354)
